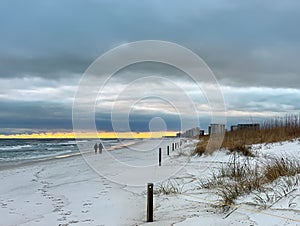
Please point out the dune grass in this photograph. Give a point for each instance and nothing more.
(169, 187)
(237, 178)
(273, 130)
(281, 167)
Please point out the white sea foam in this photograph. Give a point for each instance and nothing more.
(16, 147)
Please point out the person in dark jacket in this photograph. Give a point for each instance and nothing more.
(96, 148)
(100, 148)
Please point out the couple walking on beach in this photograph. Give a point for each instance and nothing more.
(100, 146)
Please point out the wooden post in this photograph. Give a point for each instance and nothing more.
(159, 157)
(168, 150)
(150, 202)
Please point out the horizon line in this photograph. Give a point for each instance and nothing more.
(89, 135)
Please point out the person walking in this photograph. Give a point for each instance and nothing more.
(96, 148)
(100, 148)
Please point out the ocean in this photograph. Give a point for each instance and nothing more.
(19, 150)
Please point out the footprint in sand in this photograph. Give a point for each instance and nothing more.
(57, 209)
(87, 220)
(62, 219)
(66, 213)
(103, 192)
(88, 203)
(59, 202)
(3, 205)
(12, 211)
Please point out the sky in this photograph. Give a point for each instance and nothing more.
(251, 46)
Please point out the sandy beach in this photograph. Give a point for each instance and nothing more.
(64, 191)
(68, 192)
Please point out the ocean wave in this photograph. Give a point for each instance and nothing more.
(16, 147)
(64, 143)
(25, 150)
(37, 156)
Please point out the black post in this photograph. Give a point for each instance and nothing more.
(159, 157)
(150, 202)
(172, 146)
(168, 150)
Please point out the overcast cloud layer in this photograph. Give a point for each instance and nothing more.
(253, 47)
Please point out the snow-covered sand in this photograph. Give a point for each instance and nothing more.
(194, 206)
(63, 192)
(68, 192)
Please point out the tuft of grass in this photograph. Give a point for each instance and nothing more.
(238, 178)
(243, 149)
(280, 167)
(201, 146)
(275, 192)
(208, 144)
(171, 186)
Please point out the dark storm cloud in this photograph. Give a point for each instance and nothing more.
(43, 115)
(46, 116)
(41, 37)
(137, 122)
(246, 43)
(51, 67)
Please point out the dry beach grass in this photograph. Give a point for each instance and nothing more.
(244, 174)
(237, 177)
(273, 130)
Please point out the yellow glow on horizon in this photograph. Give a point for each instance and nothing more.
(89, 135)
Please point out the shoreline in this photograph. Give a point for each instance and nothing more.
(61, 192)
(21, 163)
(17, 164)
(65, 191)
